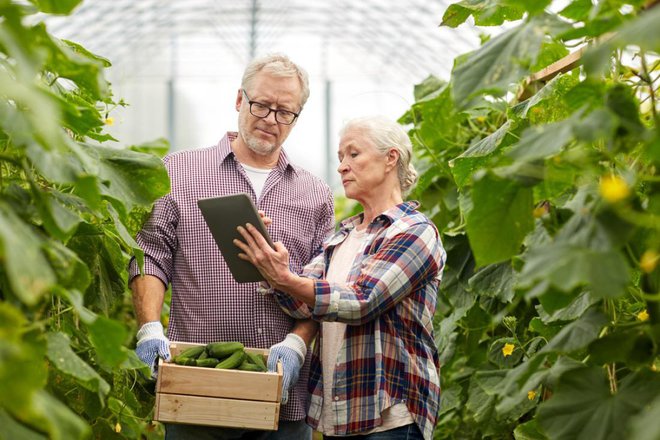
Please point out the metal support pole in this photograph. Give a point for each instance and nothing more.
(253, 29)
(171, 94)
(329, 175)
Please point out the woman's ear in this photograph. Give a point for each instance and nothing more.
(392, 157)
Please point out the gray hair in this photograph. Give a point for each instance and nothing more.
(277, 65)
(387, 134)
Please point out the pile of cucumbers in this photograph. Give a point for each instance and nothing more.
(225, 355)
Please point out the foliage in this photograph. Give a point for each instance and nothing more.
(69, 207)
(548, 199)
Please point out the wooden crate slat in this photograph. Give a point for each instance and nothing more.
(208, 411)
(213, 382)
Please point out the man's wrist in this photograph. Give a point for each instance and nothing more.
(151, 330)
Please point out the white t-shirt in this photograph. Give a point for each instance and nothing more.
(257, 177)
(333, 337)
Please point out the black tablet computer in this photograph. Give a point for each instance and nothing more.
(223, 215)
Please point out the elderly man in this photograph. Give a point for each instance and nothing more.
(207, 304)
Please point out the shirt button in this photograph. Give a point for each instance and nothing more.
(259, 330)
(336, 398)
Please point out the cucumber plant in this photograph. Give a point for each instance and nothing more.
(548, 200)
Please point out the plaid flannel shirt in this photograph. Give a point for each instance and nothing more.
(388, 355)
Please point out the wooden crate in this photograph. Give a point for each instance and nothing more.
(216, 397)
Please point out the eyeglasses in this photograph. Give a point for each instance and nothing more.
(260, 110)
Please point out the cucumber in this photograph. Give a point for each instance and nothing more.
(256, 359)
(208, 362)
(182, 360)
(193, 352)
(233, 361)
(220, 350)
(249, 366)
(204, 355)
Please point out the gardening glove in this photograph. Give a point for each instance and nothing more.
(291, 351)
(152, 344)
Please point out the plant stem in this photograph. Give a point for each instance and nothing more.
(647, 78)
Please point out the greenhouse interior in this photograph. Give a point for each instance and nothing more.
(456, 235)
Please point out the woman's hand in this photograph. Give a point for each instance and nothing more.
(272, 263)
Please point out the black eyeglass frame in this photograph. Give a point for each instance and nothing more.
(271, 110)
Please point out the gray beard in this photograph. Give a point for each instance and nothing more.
(259, 147)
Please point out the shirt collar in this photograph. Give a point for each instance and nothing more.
(386, 218)
(224, 151)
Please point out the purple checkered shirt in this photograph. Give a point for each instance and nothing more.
(207, 304)
(388, 355)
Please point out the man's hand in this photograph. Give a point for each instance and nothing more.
(152, 344)
(291, 352)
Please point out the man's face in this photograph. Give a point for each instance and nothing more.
(264, 135)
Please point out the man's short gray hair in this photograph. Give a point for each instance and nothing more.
(277, 65)
(387, 134)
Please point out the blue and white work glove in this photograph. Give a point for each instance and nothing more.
(152, 344)
(291, 351)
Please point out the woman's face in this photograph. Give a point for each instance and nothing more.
(363, 169)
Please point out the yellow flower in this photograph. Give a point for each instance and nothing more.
(614, 188)
(481, 119)
(643, 315)
(110, 121)
(507, 349)
(539, 211)
(649, 261)
(531, 395)
(117, 427)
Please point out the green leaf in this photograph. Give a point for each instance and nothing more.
(542, 141)
(494, 281)
(473, 159)
(481, 394)
(158, 147)
(643, 32)
(451, 398)
(485, 13)
(577, 10)
(50, 415)
(559, 86)
(644, 425)
(529, 376)
(22, 370)
(107, 265)
(26, 267)
(567, 267)
(577, 334)
(497, 357)
(108, 337)
(63, 7)
(71, 271)
(632, 347)
(59, 220)
(12, 429)
(499, 219)
(570, 312)
(130, 177)
(65, 360)
(502, 61)
(529, 431)
(583, 405)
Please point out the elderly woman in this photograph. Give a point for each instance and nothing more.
(373, 287)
